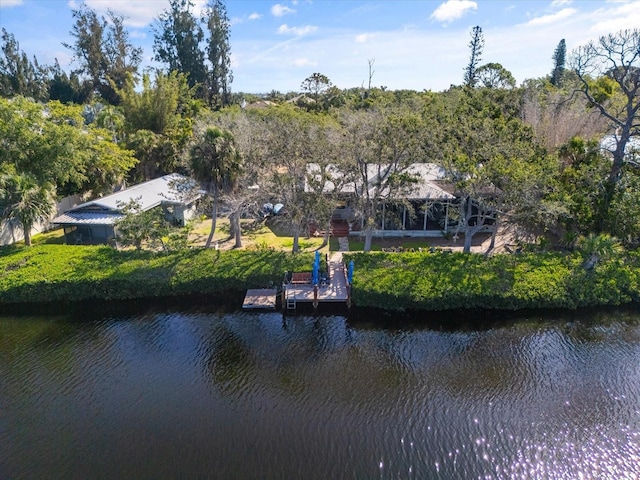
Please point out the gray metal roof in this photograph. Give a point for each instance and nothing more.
(150, 194)
(106, 210)
(86, 218)
(424, 188)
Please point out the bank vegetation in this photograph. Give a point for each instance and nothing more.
(61, 275)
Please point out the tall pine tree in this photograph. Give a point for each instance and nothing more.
(218, 52)
(559, 58)
(476, 45)
(18, 75)
(177, 38)
(103, 51)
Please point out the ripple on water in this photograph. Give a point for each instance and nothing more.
(246, 396)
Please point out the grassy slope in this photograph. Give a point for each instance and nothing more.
(439, 281)
(394, 281)
(53, 273)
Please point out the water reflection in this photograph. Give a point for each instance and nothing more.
(196, 394)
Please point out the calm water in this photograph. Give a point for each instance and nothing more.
(232, 395)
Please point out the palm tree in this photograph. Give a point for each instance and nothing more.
(596, 247)
(217, 164)
(22, 199)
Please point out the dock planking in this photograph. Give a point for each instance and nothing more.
(336, 291)
(260, 299)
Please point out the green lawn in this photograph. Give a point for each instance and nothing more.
(253, 236)
(260, 235)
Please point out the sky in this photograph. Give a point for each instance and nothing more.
(412, 44)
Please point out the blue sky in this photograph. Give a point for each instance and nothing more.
(415, 44)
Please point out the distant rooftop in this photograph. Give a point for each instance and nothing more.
(426, 187)
(632, 148)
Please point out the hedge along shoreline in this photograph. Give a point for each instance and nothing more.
(454, 281)
(67, 274)
(62, 274)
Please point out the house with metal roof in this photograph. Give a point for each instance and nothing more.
(422, 211)
(94, 222)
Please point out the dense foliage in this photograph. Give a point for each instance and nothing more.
(399, 281)
(62, 274)
(449, 281)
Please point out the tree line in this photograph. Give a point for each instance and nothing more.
(106, 58)
(532, 155)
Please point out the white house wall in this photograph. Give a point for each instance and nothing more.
(11, 231)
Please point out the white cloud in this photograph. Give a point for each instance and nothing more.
(554, 17)
(297, 31)
(137, 34)
(612, 20)
(10, 3)
(135, 14)
(560, 3)
(453, 9)
(303, 62)
(279, 10)
(364, 37)
(250, 18)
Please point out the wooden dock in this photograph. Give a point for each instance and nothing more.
(260, 299)
(336, 290)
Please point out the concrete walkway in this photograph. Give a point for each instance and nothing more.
(343, 246)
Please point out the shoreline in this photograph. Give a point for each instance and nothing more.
(364, 317)
(59, 278)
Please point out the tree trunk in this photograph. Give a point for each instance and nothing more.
(325, 239)
(235, 228)
(492, 244)
(618, 156)
(602, 214)
(468, 231)
(214, 218)
(468, 237)
(368, 237)
(296, 243)
(27, 235)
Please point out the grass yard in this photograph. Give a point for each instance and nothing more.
(52, 237)
(260, 236)
(254, 236)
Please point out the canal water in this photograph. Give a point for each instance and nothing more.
(196, 394)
